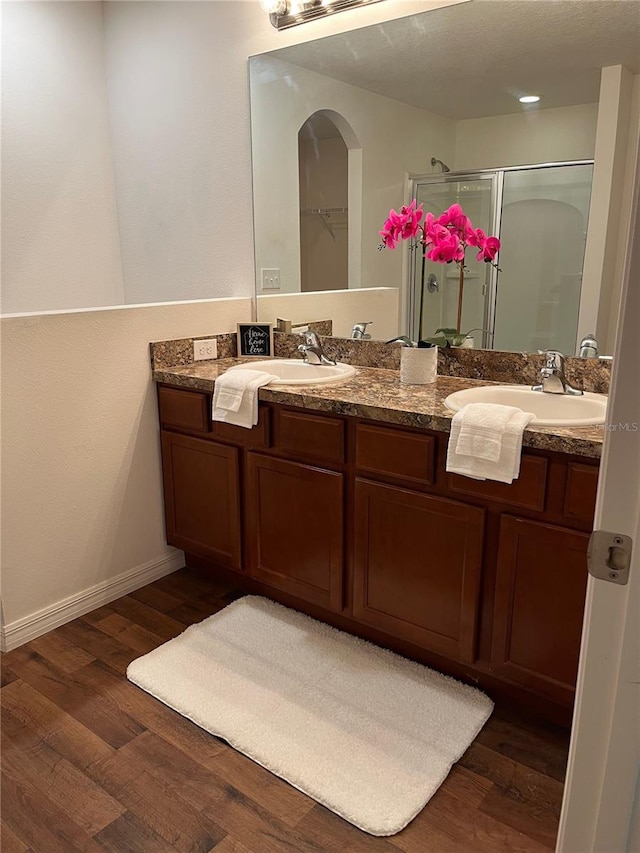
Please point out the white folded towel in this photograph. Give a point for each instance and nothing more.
(482, 429)
(506, 468)
(235, 396)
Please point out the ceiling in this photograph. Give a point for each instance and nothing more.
(474, 59)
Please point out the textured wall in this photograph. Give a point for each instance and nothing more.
(59, 223)
(534, 136)
(178, 96)
(81, 481)
(380, 305)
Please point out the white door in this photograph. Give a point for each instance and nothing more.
(601, 808)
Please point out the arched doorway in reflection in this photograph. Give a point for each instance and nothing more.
(324, 141)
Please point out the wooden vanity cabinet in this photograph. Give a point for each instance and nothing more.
(359, 524)
(294, 521)
(417, 566)
(541, 583)
(202, 498)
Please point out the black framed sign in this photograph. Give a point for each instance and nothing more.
(255, 340)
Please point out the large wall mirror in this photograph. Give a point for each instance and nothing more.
(428, 107)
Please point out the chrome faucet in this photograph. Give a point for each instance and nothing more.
(312, 350)
(588, 347)
(359, 331)
(401, 339)
(553, 376)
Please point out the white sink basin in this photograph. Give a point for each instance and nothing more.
(295, 371)
(549, 409)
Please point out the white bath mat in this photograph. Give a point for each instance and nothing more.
(363, 731)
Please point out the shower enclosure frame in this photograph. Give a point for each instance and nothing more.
(492, 274)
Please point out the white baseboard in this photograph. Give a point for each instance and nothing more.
(29, 627)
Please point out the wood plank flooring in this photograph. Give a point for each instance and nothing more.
(92, 763)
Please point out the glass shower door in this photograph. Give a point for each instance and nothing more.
(435, 286)
(543, 232)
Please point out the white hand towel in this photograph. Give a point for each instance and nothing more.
(235, 396)
(507, 468)
(482, 430)
(230, 387)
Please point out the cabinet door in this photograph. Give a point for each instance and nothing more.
(295, 529)
(202, 499)
(540, 590)
(417, 567)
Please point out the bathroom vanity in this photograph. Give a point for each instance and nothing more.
(338, 504)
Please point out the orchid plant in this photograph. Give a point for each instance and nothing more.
(444, 239)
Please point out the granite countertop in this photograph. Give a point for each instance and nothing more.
(378, 395)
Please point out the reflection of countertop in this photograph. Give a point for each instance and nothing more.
(378, 395)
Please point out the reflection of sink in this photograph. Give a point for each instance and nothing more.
(295, 371)
(549, 409)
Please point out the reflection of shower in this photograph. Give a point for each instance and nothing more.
(436, 162)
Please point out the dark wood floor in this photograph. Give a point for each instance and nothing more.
(90, 762)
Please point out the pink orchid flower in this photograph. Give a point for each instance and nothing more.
(433, 230)
(411, 216)
(401, 226)
(454, 216)
(447, 249)
(388, 234)
(444, 239)
(474, 236)
(489, 250)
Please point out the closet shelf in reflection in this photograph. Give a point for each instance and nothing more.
(329, 216)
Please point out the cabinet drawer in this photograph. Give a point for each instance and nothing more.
(580, 494)
(396, 453)
(527, 491)
(312, 437)
(184, 409)
(257, 436)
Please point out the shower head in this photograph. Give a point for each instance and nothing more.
(436, 162)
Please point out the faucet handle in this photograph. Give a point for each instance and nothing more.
(554, 359)
(359, 331)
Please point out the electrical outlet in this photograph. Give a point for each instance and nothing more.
(270, 279)
(205, 349)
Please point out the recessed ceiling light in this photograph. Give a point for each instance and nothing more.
(529, 99)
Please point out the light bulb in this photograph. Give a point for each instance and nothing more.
(274, 7)
(529, 99)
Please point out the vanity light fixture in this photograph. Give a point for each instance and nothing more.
(275, 7)
(289, 13)
(529, 99)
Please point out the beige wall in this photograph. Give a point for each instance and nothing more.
(380, 305)
(532, 136)
(179, 113)
(59, 221)
(324, 240)
(81, 476)
(611, 201)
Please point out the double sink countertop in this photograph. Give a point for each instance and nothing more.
(378, 395)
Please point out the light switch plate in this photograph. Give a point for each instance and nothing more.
(270, 279)
(205, 349)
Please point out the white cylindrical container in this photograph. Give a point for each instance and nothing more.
(418, 365)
